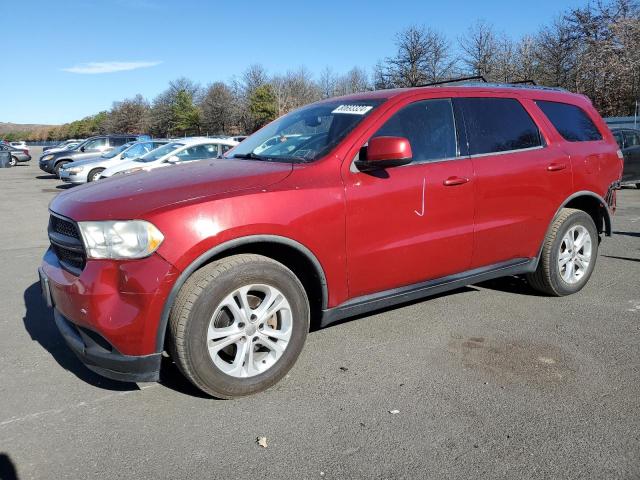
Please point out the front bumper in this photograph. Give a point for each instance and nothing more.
(105, 361)
(121, 301)
(77, 178)
(45, 166)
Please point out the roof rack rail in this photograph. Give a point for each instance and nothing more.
(476, 78)
(525, 82)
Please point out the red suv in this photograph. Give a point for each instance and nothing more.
(336, 209)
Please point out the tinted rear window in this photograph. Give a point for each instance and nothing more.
(498, 125)
(571, 122)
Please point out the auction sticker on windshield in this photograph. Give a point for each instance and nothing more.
(353, 109)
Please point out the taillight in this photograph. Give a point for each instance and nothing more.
(26, 152)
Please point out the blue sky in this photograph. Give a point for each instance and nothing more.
(48, 47)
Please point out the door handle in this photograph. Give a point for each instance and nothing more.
(452, 181)
(554, 167)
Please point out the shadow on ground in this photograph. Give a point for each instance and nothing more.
(7, 468)
(628, 259)
(38, 321)
(517, 285)
(628, 234)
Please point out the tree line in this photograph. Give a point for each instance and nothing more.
(593, 50)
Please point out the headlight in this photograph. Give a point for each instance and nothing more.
(73, 169)
(47, 157)
(132, 170)
(120, 239)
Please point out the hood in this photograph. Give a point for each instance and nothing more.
(79, 163)
(123, 165)
(135, 195)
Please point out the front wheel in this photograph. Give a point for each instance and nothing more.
(238, 325)
(58, 166)
(568, 254)
(94, 175)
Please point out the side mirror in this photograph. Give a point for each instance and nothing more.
(173, 159)
(385, 152)
(82, 149)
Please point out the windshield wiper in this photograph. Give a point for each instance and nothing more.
(254, 156)
(249, 156)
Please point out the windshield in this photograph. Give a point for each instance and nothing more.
(158, 153)
(306, 134)
(116, 151)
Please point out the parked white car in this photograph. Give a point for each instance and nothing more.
(21, 145)
(90, 169)
(178, 151)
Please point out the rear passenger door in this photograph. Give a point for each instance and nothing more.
(411, 223)
(520, 179)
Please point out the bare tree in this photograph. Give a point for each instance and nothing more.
(423, 55)
(129, 115)
(294, 89)
(327, 83)
(218, 115)
(355, 80)
(480, 49)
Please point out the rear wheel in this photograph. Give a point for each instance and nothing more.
(13, 162)
(638, 185)
(58, 166)
(238, 325)
(568, 254)
(94, 174)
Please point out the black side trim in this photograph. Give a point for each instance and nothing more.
(217, 250)
(396, 296)
(108, 363)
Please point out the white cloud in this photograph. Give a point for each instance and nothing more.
(93, 68)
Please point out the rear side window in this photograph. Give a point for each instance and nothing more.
(496, 125)
(428, 125)
(118, 141)
(571, 121)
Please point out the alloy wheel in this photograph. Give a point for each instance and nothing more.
(249, 330)
(575, 254)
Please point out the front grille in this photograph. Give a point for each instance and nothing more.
(67, 244)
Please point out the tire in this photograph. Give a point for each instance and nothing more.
(57, 167)
(204, 301)
(94, 173)
(550, 276)
(638, 186)
(13, 162)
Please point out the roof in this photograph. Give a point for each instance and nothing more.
(467, 88)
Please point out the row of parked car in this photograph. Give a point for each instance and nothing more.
(107, 155)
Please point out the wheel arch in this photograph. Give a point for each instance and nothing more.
(292, 254)
(594, 205)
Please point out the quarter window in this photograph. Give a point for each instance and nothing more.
(428, 125)
(496, 125)
(571, 121)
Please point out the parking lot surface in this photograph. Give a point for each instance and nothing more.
(490, 381)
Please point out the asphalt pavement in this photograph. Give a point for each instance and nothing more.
(489, 381)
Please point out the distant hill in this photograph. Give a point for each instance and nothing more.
(6, 127)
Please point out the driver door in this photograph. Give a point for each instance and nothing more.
(413, 223)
